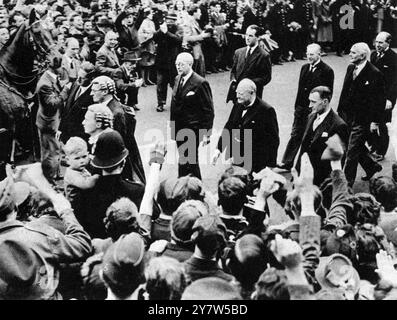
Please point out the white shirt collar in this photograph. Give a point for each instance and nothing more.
(252, 48)
(320, 118)
(314, 65)
(186, 78)
(52, 74)
(360, 67)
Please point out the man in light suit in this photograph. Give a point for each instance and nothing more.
(385, 59)
(313, 74)
(250, 62)
(51, 96)
(193, 36)
(322, 124)
(70, 60)
(192, 110)
(77, 103)
(106, 57)
(361, 105)
(250, 115)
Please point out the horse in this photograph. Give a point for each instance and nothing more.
(22, 60)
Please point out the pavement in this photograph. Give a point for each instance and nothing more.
(280, 93)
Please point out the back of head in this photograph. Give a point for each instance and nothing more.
(272, 285)
(122, 217)
(183, 220)
(122, 265)
(384, 189)
(211, 288)
(165, 279)
(174, 191)
(365, 209)
(232, 193)
(248, 260)
(209, 235)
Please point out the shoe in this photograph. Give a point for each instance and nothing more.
(136, 107)
(368, 176)
(160, 108)
(208, 72)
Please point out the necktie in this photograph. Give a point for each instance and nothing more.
(355, 72)
(71, 65)
(316, 123)
(180, 86)
(248, 54)
(312, 67)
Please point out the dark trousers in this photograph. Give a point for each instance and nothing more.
(357, 152)
(380, 143)
(50, 151)
(188, 162)
(164, 77)
(298, 129)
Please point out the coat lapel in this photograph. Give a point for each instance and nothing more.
(324, 126)
(250, 114)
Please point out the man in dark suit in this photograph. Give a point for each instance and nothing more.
(322, 124)
(103, 91)
(361, 105)
(127, 79)
(51, 96)
(313, 74)
(192, 114)
(106, 57)
(252, 126)
(79, 99)
(250, 62)
(169, 41)
(385, 59)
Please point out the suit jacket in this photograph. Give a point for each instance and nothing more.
(261, 118)
(192, 107)
(51, 98)
(106, 61)
(258, 68)
(124, 122)
(168, 47)
(388, 66)
(70, 72)
(74, 112)
(192, 37)
(362, 100)
(314, 143)
(322, 75)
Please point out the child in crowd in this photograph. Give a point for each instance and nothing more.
(77, 177)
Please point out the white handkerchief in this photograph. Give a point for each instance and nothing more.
(324, 135)
(367, 83)
(190, 93)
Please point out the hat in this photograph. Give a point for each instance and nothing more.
(104, 22)
(335, 270)
(209, 232)
(7, 200)
(109, 150)
(171, 16)
(122, 262)
(211, 288)
(132, 56)
(22, 275)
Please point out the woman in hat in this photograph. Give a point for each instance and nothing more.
(128, 35)
(148, 46)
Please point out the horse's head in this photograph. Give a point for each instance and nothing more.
(24, 56)
(38, 38)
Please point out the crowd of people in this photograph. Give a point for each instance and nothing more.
(85, 222)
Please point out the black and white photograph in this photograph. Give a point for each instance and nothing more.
(198, 155)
